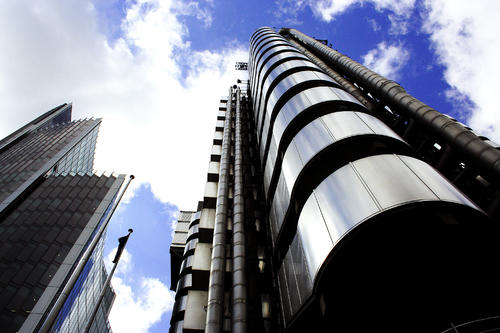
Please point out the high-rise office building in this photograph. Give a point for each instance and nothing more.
(337, 201)
(53, 213)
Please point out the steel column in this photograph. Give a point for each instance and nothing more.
(215, 306)
(239, 291)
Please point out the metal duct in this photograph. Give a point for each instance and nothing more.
(479, 152)
(351, 88)
(239, 290)
(215, 306)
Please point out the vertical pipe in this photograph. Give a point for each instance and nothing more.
(486, 157)
(239, 291)
(351, 88)
(215, 306)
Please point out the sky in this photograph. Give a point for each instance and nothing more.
(155, 71)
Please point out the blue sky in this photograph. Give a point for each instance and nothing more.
(155, 70)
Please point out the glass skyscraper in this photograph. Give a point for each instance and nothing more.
(336, 201)
(53, 210)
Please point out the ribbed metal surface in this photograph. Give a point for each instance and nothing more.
(239, 293)
(481, 153)
(336, 76)
(215, 306)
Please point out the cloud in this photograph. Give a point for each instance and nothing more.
(173, 224)
(125, 264)
(387, 60)
(140, 301)
(465, 38)
(288, 11)
(148, 302)
(158, 98)
(373, 24)
(400, 25)
(327, 10)
(192, 8)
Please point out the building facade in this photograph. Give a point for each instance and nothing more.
(53, 213)
(337, 201)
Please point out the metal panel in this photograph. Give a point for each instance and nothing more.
(351, 195)
(186, 263)
(194, 319)
(190, 246)
(202, 257)
(391, 182)
(344, 201)
(180, 305)
(265, 61)
(293, 291)
(185, 282)
(285, 298)
(267, 49)
(258, 40)
(262, 44)
(276, 54)
(298, 104)
(373, 184)
(261, 74)
(281, 88)
(436, 182)
(269, 77)
(193, 231)
(314, 235)
(207, 218)
(259, 32)
(302, 275)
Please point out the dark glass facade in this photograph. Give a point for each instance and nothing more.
(51, 208)
(352, 205)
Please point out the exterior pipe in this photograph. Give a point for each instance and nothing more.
(239, 290)
(483, 155)
(351, 88)
(215, 306)
(49, 321)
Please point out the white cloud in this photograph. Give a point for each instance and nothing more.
(400, 25)
(149, 303)
(193, 8)
(155, 125)
(328, 9)
(124, 265)
(288, 10)
(387, 60)
(140, 301)
(173, 224)
(465, 37)
(374, 25)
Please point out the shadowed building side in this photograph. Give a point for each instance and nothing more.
(52, 208)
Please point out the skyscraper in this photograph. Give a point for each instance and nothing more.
(53, 213)
(335, 200)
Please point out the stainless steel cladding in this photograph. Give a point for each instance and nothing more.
(352, 195)
(455, 134)
(336, 175)
(239, 288)
(215, 307)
